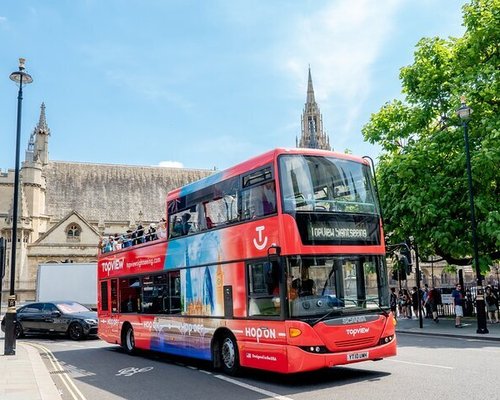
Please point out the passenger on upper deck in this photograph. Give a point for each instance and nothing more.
(151, 235)
(139, 235)
(162, 229)
(127, 239)
(185, 224)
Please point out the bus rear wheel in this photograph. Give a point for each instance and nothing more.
(128, 340)
(229, 356)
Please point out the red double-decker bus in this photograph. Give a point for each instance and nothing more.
(277, 263)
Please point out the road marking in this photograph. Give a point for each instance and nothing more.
(253, 388)
(205, 372)
(420, 364)
(129, 371)
(65, 379)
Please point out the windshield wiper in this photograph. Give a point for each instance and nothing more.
(355, 302)
(372, 300)
(339, 310)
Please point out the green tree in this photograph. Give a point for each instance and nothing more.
(422, 169)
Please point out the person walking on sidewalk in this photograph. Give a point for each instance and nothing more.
(491, 305)
(414, 301)
(425, 305)
(458, 302)
(394, 302)
(433, 299)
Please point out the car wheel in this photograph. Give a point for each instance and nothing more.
(229, 355)
(75, 331)
(128, 339)
(18, 330)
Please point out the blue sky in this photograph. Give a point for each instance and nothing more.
(204, 84)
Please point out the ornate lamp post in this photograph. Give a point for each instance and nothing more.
(464, 113)
(21, 78)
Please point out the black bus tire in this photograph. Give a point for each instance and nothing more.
(128, 339)
(229, 355)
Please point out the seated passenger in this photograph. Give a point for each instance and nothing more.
(127, 239)
(139, 235)
(151, 235)
(185, 224)
(106, 245)
(162, 229)
(176, 227)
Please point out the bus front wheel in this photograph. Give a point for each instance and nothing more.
(128, 340)
(229, 355)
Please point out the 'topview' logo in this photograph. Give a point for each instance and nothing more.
(113, 265)
(354, 332)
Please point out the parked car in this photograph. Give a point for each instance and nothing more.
(62, 317)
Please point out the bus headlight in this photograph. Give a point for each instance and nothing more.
(386, 339)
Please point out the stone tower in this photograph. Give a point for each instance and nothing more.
(312, 135)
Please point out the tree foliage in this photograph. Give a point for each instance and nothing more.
(422, 170)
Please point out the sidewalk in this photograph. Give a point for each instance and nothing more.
(25, 376)
(446, 327)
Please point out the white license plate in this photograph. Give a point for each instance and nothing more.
(357, 356)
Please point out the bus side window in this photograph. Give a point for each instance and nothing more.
(104, 296)
(263, 291)
(130, 295)
(114, 295)
(258, 201)
(174, 292)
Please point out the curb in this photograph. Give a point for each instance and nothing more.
(451, 335)
(46, 386)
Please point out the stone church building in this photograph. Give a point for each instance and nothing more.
(66, 207)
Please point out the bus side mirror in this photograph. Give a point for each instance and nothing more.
(274, 259)
(273, 252)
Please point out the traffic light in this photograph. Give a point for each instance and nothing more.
(406, 258)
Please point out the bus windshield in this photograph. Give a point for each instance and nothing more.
(336, 285)
(316, 183)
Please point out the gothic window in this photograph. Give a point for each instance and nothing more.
(73, 232)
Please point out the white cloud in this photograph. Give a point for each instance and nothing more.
(341, 42)
(171, 164)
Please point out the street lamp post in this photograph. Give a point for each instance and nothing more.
(432, 270)
(21, 78)
(417, 282)
(464, 113)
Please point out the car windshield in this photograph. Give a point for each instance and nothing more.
(71, 307)
(331, 285)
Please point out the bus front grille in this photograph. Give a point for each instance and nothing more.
(352, 343)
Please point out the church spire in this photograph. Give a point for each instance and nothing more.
(312, 135)
(41, 133)
(310, 90)
(42, 121)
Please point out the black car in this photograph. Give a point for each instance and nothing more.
(66, 317)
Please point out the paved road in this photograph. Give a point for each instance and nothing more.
(427, 367)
